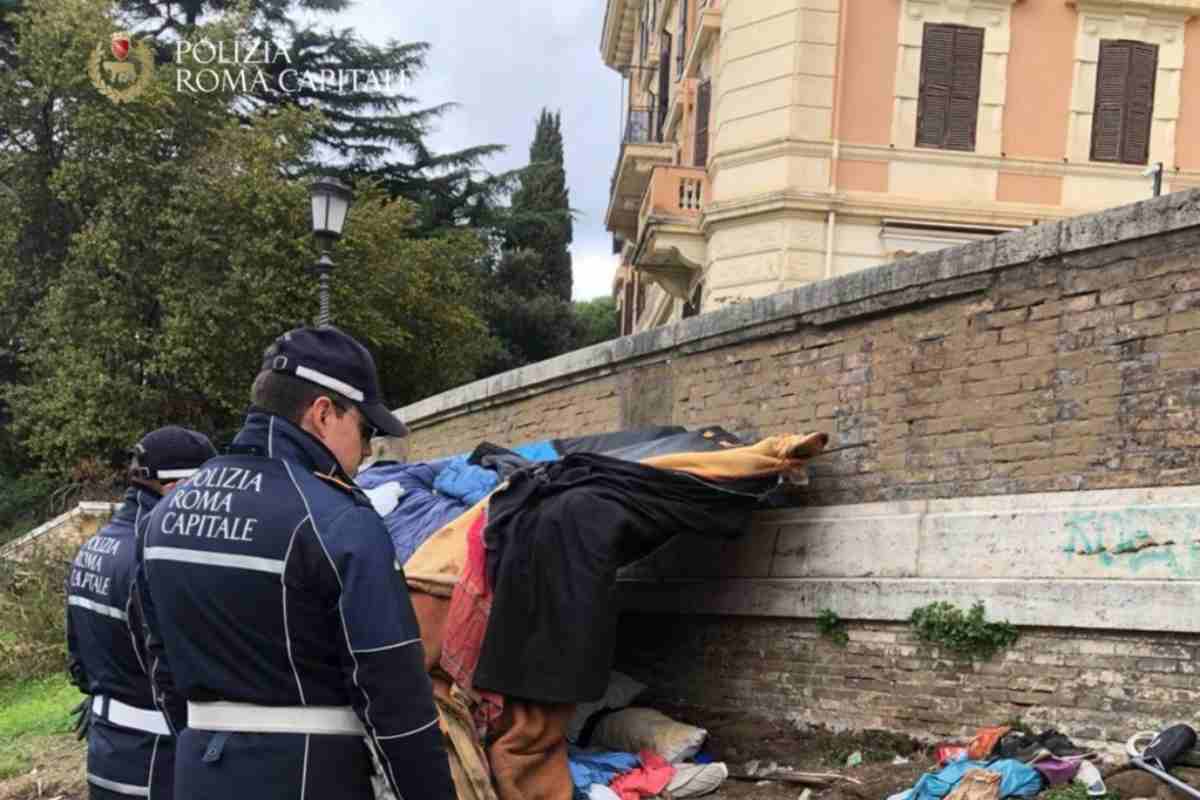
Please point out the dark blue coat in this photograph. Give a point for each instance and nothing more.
(270, 580)
(108, 659)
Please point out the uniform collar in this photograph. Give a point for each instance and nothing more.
(275, 437)
(138, 502)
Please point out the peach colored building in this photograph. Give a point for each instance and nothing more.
(769, 143)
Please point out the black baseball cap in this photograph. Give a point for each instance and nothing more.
(171, 453)
(334, 360)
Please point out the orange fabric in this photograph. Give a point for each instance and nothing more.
(435, 566)
(529, 756)
(771, 456)
(984, 743)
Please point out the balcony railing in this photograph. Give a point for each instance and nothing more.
(639, 129)
(674, 192)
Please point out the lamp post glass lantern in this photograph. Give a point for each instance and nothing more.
(330, 204)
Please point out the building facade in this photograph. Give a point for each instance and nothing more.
(771, 143)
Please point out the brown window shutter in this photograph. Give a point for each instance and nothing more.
(703, 106)
(1112, 77)
(933, 105)
(964, 89)
(948, 105)
(1139, 106)
(1124, 109)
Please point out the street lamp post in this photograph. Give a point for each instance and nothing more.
(330, 204)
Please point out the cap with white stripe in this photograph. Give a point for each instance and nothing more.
(171, 454)
(334, 360)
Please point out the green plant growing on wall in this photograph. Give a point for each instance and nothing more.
(832, 627)
(967, 633)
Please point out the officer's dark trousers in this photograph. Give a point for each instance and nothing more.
(124, 763)
(266, 766)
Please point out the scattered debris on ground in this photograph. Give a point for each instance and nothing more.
(57, 773)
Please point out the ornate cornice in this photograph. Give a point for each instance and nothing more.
(1185, 8)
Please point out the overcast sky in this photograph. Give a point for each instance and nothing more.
(501, 62)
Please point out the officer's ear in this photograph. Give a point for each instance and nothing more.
(319, 416)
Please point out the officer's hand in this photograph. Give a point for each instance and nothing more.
(83, 717)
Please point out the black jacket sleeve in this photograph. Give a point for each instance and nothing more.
(74, 662)
(168, 701)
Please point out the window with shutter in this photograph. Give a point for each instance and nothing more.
(682, 39)
(703, 106)
(948, 105)
(664, 85)
(1124, 107)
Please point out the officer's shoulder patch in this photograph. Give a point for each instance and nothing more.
(360, 497)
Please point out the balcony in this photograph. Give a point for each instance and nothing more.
(638, 156)
(619, 29)
(708, 28)
(670, 245)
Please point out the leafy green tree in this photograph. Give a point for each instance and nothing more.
(189, 253)
(529, 304)
(595, 321)
(542, 209)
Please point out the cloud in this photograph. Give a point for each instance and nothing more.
(502, 63)
(594, 271)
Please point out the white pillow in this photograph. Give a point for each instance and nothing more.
(622, 690)
(637, 729)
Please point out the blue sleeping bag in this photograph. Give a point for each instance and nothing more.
(420, 511)
(470, 483)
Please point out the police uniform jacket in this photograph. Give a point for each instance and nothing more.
(274, 594)
(130, 748)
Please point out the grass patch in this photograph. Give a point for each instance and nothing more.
(1074, 791)
(38, 706)
(33, 602)
(34, 713)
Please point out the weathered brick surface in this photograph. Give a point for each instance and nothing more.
(1098, 688)
(1079, 372)
(592, 406)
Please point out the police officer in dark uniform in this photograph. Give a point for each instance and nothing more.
(273, 590)
(130, 746)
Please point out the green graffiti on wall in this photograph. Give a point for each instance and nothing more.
(1133, 539)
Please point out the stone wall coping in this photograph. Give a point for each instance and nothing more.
(942, 273)
(87, 508)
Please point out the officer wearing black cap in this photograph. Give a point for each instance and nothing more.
(130, 747)
(282, 613)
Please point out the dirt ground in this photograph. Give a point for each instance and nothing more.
(740, 741)
(736, 739)
(57, 773)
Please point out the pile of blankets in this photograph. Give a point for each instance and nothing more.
(511, 556)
